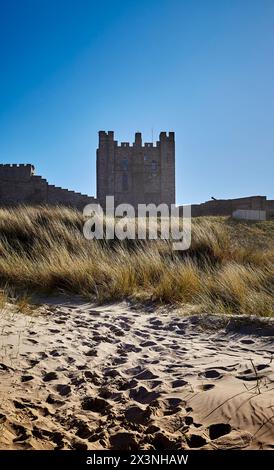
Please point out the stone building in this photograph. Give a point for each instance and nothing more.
(226, 207)
(137, 173)
(20, 185)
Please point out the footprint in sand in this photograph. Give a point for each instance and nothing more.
(33, 362)
(49, 376)
(157, 348)
(127, 347)
(138, 415)
(249, 375)
(206, 387)
(187, 365)
(218, 430)
(63, 389)
(97, 405)
(54, 400)
(83, 429)
(154, 383)
(195, 441)
(148, 343)
(262, 366)
(145, 374)
(22, 433)
(211, 374)
(92, 377)
(32, 341)
(91, 352)
(173, 405)
(94, 313)
(142, 334)
(80, 323)
(156, 322)
(155, 361)
(142, 395)
(119, 360)
(178, 383)
(126, 384)
(123, 441)
(111, 373)
(26, 378)
(117, 331)
(247, 341)
(55, 353)
(124, 326)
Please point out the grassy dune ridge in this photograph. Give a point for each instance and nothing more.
(229, 267)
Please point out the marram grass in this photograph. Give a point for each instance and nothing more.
(228, 268)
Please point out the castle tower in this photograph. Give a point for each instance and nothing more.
(137, 173)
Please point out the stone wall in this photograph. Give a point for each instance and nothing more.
(137, 173)
(270, 209)
(225, 207)
(19, 185)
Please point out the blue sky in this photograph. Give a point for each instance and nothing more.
(203, 68)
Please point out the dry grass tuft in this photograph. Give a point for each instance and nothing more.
(229, 267)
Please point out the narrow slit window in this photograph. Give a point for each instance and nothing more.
(153, 167)
(125, 182)
(125, 164)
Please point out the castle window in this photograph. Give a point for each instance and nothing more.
(153, 167)
(125, 164)
(125, 182)
(145, 158)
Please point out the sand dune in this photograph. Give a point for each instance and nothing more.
(76, 376)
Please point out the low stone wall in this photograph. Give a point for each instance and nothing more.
(270, 209)
(226, 207)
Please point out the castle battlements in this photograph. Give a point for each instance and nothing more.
(21, 171)
(20, 185)
(136, 173)
(106, 138)
(16, 165)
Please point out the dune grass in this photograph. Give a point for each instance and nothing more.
(228, 268)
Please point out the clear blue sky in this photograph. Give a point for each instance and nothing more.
(203, 68)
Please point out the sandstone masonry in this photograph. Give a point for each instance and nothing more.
(137, 173)
(226, 207)
(20, 185)
(132, 173)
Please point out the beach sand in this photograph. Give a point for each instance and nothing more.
(78, 376)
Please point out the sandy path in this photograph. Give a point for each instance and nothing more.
(85, 377)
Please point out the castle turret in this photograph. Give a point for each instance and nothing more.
(138, 173)
(105, 166)
(167, 151)
(138, 139)
(16, 171)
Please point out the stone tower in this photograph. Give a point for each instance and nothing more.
(137, 173)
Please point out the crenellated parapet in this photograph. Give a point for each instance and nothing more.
(137, 172)
(14, 171)
(106, 138)
(19, 185)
